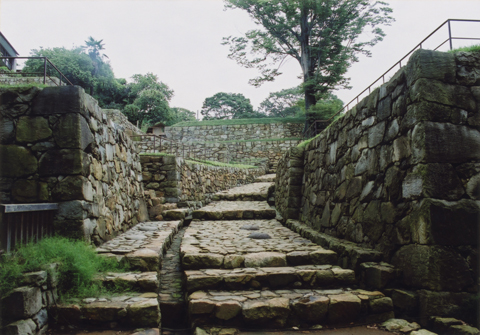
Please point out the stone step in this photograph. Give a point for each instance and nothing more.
(350, 255)
(287, 308)
(126, 310)
(235, 210)
(176, 214)
(303, 276)
(143, 245)
(248, 243)
(266, 178)
(155, 211)
(249, 192)
(139, 282)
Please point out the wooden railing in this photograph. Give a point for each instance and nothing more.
(23, 223)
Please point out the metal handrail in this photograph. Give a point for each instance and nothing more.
(46, 61)
(419, 45)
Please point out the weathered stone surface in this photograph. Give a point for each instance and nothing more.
(199, 261)
(59, 100)
(312, 309)
(7, 128)
(21, 327)
(144, 259)
(400, 325)
(432, 267)
(144, 313)
(442, 142)
(72, 132)
(62, 162)
(23, 302)
(381, 305)
(376, 276)
(227, 310)
(431, 65)
(73, 188)
(20, 161)
(265, 259)
(276, 308)
(25, 190)
(343, 308)
(105, 311)
(32, 129)
(201, 306)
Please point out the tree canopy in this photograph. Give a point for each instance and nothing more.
(284, 103)
(324, 36)
(228, 106)
(148, 100)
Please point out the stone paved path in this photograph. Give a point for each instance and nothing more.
(249, 192)
(244, 269)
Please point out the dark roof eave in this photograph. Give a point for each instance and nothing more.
(9, 43)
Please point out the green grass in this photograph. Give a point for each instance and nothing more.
(24, 86)
(204, 162)
(78, 263)
(472, 48)
(266, 120)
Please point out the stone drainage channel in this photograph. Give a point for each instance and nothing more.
(234, 267)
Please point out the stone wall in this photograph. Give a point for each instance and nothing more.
(234, 132)
(241, 152)
(400, 173)
(60, 147)
(175, 180)
(24, 309)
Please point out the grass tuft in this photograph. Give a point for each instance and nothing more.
(78, 263)
(471, 48)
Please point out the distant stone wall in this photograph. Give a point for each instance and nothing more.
(244, 152)
(189, 184)
(60, 147)
(400, 173)
(234, 132)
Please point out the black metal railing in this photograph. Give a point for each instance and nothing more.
(356, 100)
(49, 71)
(23, 223)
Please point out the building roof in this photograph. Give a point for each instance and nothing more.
(6, 44)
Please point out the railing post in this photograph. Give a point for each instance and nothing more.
(450, 35)
(44, 70)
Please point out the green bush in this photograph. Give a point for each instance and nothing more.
(472, 48)
(78, 264)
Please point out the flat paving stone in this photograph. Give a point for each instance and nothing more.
(286, 308)
(224, 244)
(304, 276)
(142, 245)
(140, 282)
(266, 178)
(235, 210)
(249, 192)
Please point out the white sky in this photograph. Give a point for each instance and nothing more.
(180, 40)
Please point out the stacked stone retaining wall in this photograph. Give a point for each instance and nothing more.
(190, 184)
(58, 146)
(241, 152)
(400, 173)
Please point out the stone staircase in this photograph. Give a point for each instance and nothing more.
(234, 265)
(244, 269)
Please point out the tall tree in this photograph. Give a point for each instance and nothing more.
(283, 103)
(227, 106)
(180, 115)
(324, 36)
(93, 48)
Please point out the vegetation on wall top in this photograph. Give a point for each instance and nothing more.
(241, 121)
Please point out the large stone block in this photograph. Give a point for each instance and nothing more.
(461, 305)
(343, 308)
(72, 131)
(431, 64)
(60, 100)
(17, 161)
(445, 223)
(63, 162)
(433, 267)
(73, 188)
(444, 143)
(23, 302)
(25, 190)
(312, 309)
(32, 129)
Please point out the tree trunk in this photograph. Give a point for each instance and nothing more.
(306, 64)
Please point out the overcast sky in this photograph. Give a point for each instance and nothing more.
(180, 40)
